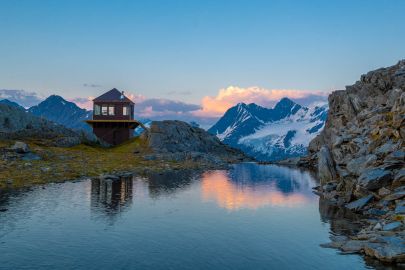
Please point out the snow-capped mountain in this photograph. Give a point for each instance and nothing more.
(271, 134)
(61, 111)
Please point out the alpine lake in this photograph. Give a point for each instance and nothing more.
(248, 217)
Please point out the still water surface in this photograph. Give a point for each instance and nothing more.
(250, 217)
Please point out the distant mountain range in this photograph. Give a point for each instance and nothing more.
(63, 112)
(270, 134)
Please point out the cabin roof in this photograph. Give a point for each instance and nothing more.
(114, 95)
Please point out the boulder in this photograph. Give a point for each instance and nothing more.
(374, 178)
(20, 147)
(177, 140)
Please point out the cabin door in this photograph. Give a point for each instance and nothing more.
(115, 137)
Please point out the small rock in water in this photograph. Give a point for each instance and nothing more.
(329, 187)
(353, 246)
(392, 226)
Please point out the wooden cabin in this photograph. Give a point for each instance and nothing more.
(113, 117)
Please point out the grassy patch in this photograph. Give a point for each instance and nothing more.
(60, 164)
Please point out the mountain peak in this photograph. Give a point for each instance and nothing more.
(285, 102)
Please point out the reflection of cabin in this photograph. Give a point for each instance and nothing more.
(113, 117)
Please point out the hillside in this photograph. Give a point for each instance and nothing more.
(16, 123)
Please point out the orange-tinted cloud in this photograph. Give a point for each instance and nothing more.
(230, 96)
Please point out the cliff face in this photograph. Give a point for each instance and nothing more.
(365, 127)
(360, 155)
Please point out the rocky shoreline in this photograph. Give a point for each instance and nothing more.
(360, 160)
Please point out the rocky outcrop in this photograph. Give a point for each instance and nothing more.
(361, 150)
(15, 123)
(179, 141)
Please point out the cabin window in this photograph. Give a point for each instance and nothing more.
(125, 110)
(96, 109)
(104, 110)
(111, 110)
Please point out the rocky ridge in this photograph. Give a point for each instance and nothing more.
(360, 159)
(15, 123)
(179, 141)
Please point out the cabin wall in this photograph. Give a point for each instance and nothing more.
(118, 111)
(112, 133)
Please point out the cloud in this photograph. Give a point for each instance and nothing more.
(162, 105)
(22, 97)
(228, 97)
(182, 93)
(85, 103)
(91, 85)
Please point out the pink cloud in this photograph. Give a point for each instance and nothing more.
(228, 97)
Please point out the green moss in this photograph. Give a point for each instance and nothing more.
(61, 164)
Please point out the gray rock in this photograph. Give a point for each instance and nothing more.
(376, 178)
(177, 140)
(353, 246)
(392, 226)
(395, 196)
(396, 155)
(357, 165)
(384, 191)
(30, 157)
(20, 147)
(16, 123)
(360, 203)
(45, 169)
(329, 187)
(386, 148)
(399, 178)
(399, 209)
(326, 167)
(391, 249)
(376, 212)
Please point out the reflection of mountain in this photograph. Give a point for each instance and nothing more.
(169, 182)
(109, 196)
(285, 179)
(253, 186)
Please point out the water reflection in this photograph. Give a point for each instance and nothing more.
(111, 196)
(169, 182)
(252, 186)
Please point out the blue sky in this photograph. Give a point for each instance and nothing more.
(188, 50)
